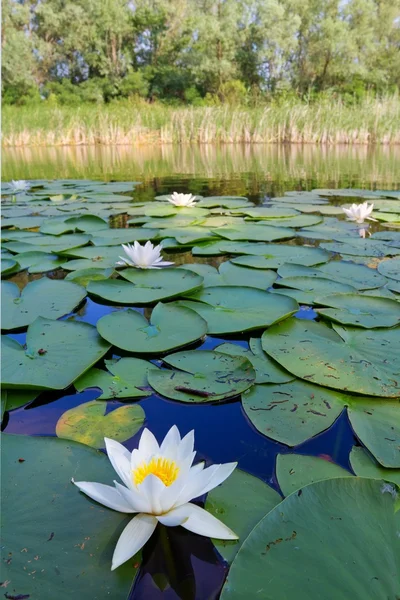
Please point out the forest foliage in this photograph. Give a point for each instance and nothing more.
(198, 52)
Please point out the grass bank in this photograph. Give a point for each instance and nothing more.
(373, 121)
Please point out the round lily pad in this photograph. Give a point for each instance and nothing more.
(360, 247)
(8, 265)
(273, 256)
(316, 286)
(364, 465)
(390, 268)
(226, 502)
(229, 309)
(360, 311)
(116, 237)
(66, 549)
(303, 547)
(146, 286)
(230, 274)
(261, 233)
(203, 376)
(124, 378)
(84, 276)
(293, 412)
(294, 471)
(358, 276)
(170, 327)
(44, 297)
(349, 359)
(88, 423)
(56, 353)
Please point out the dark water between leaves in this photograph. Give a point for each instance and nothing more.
(222, 431)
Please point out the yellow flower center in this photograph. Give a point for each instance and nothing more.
(163, 468)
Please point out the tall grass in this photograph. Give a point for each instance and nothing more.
(322, 122)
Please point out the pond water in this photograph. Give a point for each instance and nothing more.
(223, 430)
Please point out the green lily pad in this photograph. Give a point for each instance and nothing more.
(8, 265)
(146, 286)
(349, 359)
(116, 237)
(229, 309)
(274, 256)
(44, 297)
(89, 425)
(124, 378)
(203, 376)
(170, 327)
(267, 212)
(302, 549)
(365, 466)
(358, 276)
(84, 276)
(39, 262)
(12, 399)
(360, 311)
(360, 247)
(261, 233)
(226, 503)
(230, 274)
(67, 548)
(390, 268)
(296, 221)
(92, 257)
(294, 471)
(56, 353)
(22, 222)
(223, 201)
(187, 235)
(316, 286)
(267, 370)
(85, 223)
(293, 412)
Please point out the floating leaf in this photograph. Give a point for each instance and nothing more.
(116, 237)
(44, 297)
(88, 423)
(264, 233)
(303, 547)
(125, 378)
(203, 376)
(293, 412)
(365, 466)
(294, 471)
(226, 502)
(56, 353)
(8, 265)
(231, 309)
(390, 268)
(170, 327)
(230, 274)
(84, 276)
(360, 311)
(274, 256)
(358, 276)
(360, 247)
(66, 549)
(146, 286)
(350, 359)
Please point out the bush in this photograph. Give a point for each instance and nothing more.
(232, 92)
(134, 84)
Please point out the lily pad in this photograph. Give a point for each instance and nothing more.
(56, 353)
(67, 548)
(360, 311)
(261, 233)
(294, 471)
(230, 274)
(92, 257)
(358, 276)
(84, 276)
(226, 502)
(170, 327)
(285, 555)
(89, 425)
(349, 359)
(116, 237)
(360, 247)
(8, 265)
(39, 262)
(293, 412)
(146, 286)
(84, 223)
(124, 378)
(274, 256)
(203, 376)
(44, 297)
(390, 268)
(229, 309)
(365, 466)
(316, 286)
(12, 399)
(223, 201)
(267, 370)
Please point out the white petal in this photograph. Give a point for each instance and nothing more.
(219, 476)
(106, 495)
(152, 489)
(133, 538)
(186, 446)
(120, 458)
(199, 484)
(148, 445)
(199, 521)
(170, 443)
(138, 502)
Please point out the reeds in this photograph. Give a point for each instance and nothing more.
(373, 121)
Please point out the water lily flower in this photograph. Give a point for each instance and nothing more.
(143, 257)
(20, 186)
(158, 483)
(359, 212)
(187, 200)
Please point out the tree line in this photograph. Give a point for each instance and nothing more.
(198, 52)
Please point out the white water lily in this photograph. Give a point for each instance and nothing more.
(359, 212)
(159, 482)
(20, 185)
(143, 257)
(187, 200)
